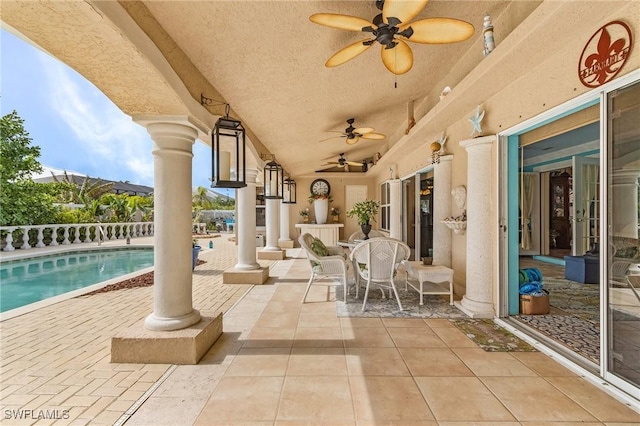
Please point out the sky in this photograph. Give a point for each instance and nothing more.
(76, 126)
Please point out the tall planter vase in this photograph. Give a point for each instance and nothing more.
(321, 209)
(366, 228)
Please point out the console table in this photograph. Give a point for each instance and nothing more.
(432, 279)
(328, 233)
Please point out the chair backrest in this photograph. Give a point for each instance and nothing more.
(305, 241)
(359, 235)
(380, 257)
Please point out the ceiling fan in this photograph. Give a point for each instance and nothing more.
(342, 162)
(391, 29)
(353, 134)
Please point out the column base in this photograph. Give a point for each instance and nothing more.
(187, 346)
(271, 254)
(475, 309)
(154, 323)
(238, 276)
(285, 244)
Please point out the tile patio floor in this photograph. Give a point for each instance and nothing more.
(282, 362)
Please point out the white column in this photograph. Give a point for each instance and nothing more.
(625, 198)
(284, 223)
(395, 210)
(442, 210)
(246, 223)
(172, 289)
(478, 300)
(273, 224)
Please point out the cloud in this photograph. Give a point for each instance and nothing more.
(115, 146)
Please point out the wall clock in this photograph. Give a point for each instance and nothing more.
(320, 187)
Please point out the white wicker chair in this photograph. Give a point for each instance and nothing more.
(620, 275)
(334, 265)
(376, 260)
(359, 235)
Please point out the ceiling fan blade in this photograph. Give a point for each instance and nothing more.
(398, 60)
(404, 10)
(342, 22)
(353, 140)
(438, 30)
(353, 163)
(332, 137)
(373, 136)
(363, 130)
(347, 53)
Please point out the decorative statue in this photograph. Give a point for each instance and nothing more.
(487, 33)
(459, 194)
(475, 122)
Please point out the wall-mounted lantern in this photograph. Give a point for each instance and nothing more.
(289, 191)
(273, 180)
(232, 132)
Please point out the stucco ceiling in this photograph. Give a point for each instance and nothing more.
(267, 60)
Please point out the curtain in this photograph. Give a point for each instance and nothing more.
(589, 202)
(527, 186)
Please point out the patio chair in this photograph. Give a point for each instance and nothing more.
(621, 275)
(359, 235)
(326, 262)
(376, 261)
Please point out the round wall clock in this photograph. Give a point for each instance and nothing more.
(320, 187)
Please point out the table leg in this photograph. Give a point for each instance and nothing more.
(421, 294)
(451, 293)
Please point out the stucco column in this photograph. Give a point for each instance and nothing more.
(284, 224)
(172, 289)
(625, 198)
(273, 224)
(395, 210)
(246, 223)
(478, 300)
(442, 210)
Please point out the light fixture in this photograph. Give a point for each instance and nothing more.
(273, 180)
(289, 191)
(230, 130)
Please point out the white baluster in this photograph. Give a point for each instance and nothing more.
(54, 236)
(25, 239)
(40, 242)
(65, 242)
(87, 233)
(121, 233)
(9, 240)
(77, 232)
(113, 232)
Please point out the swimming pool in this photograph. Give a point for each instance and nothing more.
(31, 280)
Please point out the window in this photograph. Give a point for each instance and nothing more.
(385, 206)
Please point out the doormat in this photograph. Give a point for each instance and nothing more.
(491, 337)
(578, 334)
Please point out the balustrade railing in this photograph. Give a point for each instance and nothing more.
(38, 236)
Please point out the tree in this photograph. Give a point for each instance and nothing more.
(23, 201)
(89, 190)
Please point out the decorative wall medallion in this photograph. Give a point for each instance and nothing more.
(604, 54)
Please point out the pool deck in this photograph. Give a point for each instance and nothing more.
(280, 362)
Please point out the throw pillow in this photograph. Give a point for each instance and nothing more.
(319, 248)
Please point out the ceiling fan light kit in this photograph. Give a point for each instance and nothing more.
(391, 29)
(352, 134)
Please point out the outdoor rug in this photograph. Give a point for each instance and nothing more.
(577, 334)
(434, 306)
(580, 300)
(491, 337)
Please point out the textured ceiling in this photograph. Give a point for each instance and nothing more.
(267, 60)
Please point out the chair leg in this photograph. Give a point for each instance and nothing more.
(393, 286)
(346, 286)
(366, 293)
(308, 287)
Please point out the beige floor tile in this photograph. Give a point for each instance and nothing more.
(484, 363)
(407, 337)
(259, 362)
(361, 322)
(384, 399)
(367, 338)
(316, 399)
(280, 319)
(270, 337)
(602, 406)
(535, 399)
(317, 362)
(321, 319)
(403, 322)
(242, 399)
(317, 308)
(542, 364)
(375, 362)
(318, 337)
(453, 337)
(439, 323)
(461, 399)
(431, 362)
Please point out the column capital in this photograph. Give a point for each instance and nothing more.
(482, 140)
(182, 120)
(625, 176)
(251, 174)
(444, 159)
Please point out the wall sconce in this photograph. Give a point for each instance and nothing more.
(289, 191)
(273, 180)
(228, 129)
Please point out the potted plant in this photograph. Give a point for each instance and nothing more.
(364, 211)
(335, 213)
(196, 249)
(320, 206)
(305, 215)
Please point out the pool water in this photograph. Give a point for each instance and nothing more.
(30, 280)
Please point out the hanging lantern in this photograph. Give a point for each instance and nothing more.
(228, 133)
(273, 180)
(435, 152)
(289, 191)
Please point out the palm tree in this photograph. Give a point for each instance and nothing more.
(90, 189)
